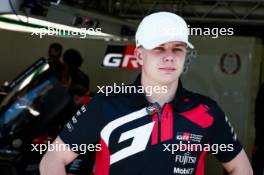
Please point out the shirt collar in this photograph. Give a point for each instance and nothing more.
(139, 99)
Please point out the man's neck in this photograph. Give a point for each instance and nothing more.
(162, 97)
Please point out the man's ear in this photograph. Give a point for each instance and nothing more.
(138, 55)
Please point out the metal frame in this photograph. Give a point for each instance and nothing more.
(230, 11)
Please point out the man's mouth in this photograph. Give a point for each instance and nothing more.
(167, 69)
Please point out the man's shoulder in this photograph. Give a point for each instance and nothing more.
(111, 97)
(204, 105)
(200, 99)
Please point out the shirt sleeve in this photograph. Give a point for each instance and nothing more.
(85, 125)
(224, 137)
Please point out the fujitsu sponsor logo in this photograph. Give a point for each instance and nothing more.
(178, 170)
(185, 159)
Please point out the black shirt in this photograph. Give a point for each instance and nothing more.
(134, 142)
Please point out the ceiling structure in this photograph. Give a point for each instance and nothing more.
(250, 12)
(245, 16)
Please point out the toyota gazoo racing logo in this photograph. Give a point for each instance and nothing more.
(186, 136)
(121, 57)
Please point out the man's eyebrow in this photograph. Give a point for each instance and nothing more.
(175, 45)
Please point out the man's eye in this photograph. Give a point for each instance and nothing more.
(159, 49)
(178, 49)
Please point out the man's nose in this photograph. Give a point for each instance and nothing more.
(169, 56)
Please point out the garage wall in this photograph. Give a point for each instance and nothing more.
(18, 50)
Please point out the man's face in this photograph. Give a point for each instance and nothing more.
(163, 64)
(54, 55)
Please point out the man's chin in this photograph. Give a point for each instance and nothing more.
(164, 79)
(168, 80)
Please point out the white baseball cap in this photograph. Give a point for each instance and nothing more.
(159, 28)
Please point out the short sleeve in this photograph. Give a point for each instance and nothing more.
(224, 136)
(85, 125)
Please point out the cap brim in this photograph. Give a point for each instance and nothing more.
(152, 45)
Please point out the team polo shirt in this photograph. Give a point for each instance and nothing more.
(137, 139)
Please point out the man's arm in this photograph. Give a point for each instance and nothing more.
(54, 162)
(239, 165)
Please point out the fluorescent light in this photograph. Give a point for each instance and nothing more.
(46, 24)
(33, 111)
(30, 109)
(15, 27)
(55, 3)
(26, 81)
(31, 76)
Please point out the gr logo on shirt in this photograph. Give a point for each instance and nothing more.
(140, 135)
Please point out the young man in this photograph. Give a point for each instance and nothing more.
(148, 133)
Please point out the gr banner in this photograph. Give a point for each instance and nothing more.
(117, 56)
